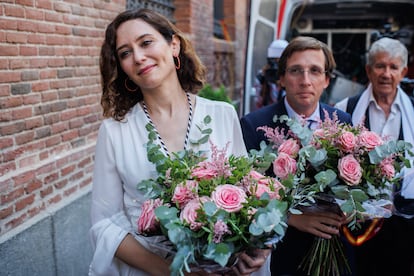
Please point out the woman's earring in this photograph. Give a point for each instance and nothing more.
(177, 63)
(129, 89)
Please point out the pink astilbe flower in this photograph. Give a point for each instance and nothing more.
(218, 166)
(220, 229)
(274, 135)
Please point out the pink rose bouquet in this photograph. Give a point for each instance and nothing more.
(346, 167)
(211, 209)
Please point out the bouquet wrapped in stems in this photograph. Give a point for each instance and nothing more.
(338, 167)
(210, 209)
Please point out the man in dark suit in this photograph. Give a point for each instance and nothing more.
(305, 68)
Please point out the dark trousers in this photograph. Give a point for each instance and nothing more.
(390, 252)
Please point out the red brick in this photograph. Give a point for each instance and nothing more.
(23, 178)
(24, 137)
(12, 128)
(51, 178)
(61, 184)
(67, 170)
(6, 142)
(13, 11)
(6, 185)
(11, 196)
(31, 99)
(53, 17)
(44, 4)
(70, 135)
(34, 14)
(33, 185)
(28, 160)
(37, 38)
(28, 51)
(40, 86)
(27, 26)
(28, 3)
(7, 167)
(36, 210)
(9, 50)
(55, 199)
(70, 191)
(5, 212)
(22, 113)
(19, 64)
(16, 38)
(47, 191)
(24, 202)
(62, 7)
(16, 221)
(52, 141)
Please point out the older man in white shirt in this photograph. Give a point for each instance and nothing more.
(387, 110)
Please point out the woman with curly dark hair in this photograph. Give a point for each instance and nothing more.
(150, 75)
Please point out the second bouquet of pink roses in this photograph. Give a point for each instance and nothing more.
(210, 209)
(344, 168)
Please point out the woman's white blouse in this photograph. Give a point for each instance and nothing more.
(121, 163)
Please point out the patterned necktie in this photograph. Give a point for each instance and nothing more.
(310, 123)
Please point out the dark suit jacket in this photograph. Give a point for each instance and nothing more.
(292, 249)
(264, 117)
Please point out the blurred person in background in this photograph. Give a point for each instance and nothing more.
(267, 83)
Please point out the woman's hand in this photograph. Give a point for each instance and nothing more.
(250, 262)
(321, 224)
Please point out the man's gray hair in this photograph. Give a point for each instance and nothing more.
(392, 47)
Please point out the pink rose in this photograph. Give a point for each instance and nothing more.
(290, 147)
(184, 192)
(276, 187)
(229, 197)
(189, 213)
(261, 189)
(260, 178)
(387, 168)
(284, 165)
(147, 222)
(272, 191)
(350, 170)
(204, 173)
(369, 139)
(347, 141)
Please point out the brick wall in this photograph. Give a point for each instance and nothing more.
(195, 18)
(50, 94)
(49, 102)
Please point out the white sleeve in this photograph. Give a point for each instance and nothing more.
(109, 222)
(239, 147)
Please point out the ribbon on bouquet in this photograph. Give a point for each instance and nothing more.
(369, 231)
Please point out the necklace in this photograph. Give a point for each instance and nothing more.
(187, 135)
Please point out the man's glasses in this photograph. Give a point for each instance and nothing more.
(313, 72)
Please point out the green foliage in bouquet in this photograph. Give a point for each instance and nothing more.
(346, 169)
(190, 207)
